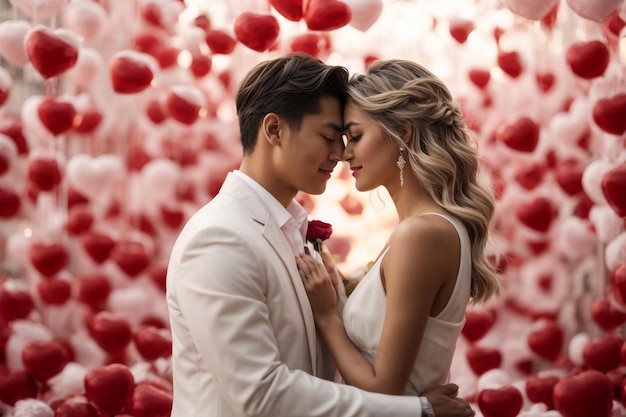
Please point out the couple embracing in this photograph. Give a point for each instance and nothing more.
(254, 319)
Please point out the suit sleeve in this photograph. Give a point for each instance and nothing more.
(221, 292)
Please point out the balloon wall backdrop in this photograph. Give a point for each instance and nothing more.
(117, 122)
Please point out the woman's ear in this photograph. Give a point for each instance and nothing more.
(271, 127)
(407, 131)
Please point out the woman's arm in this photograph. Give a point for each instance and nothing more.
(423, 256)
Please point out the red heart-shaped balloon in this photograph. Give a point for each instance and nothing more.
(309, 43)
(16, 385)
(56, 114)
(460, 29)
(49, 258)
(500, 402)
(200, 65)
(54, 291)
(290, 9)
(51, 52)
(483, 358)
(614, 188)
(150, 399)
(618, 283)
(326, 14)
(44, 172)
(479, 77)
(131, 72)
(158, 274)
(88, 120)
(608, 114)
(10, 202)
(605, 315)
(131, 257)
(521, 135)
(584, 394)
(153, 343)
(537, 214)
(539, 389)
(569, 175)
(511, 63)
(257, 31)
(79, 219)
(604, 354)
(76, 406)
(530, 175)
(183, 103)
(547, 340)
(112, 332)
(478, 322)
(44, 359)
(12, 127)
(545, 81)
(172, 216)
(15, 304)
(98, 245)
(109, 387)
(588, 59)
(220, 42)
(94, 290)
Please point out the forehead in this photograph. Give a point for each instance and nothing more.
(329, 115)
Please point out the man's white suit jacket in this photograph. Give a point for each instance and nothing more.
(244, 339)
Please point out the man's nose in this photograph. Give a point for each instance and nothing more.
(336, 152)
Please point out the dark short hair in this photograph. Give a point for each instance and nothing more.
(290, 86)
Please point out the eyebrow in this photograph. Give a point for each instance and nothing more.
(334, 126)
(349, 125)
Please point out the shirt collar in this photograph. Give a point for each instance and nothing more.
(279, 213)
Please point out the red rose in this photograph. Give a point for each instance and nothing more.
(318, 230)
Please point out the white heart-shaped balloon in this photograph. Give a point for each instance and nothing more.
(615, 252)
(38, 9)
(531, 9)
(12, 34)
(95, 178)
(87, 67)
(576, 347)
(596, 10)
(364, 13)
(86, 18)
(592, 178)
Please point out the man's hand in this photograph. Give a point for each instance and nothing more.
(445, 403)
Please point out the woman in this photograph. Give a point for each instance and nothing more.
(403, 319)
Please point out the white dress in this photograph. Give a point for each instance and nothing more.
(364, 314)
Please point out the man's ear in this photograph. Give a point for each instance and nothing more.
(271, 127)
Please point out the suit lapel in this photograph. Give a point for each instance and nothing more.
(275, 237)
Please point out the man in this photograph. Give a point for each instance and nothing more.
(244, 340)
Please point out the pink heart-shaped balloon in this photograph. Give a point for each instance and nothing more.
(86, 18)
(52, 52)
(12, 35)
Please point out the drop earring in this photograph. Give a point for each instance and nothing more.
(401, 163)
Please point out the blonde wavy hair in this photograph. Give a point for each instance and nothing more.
(441, 150)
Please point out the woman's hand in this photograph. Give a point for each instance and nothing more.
(318, 285)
